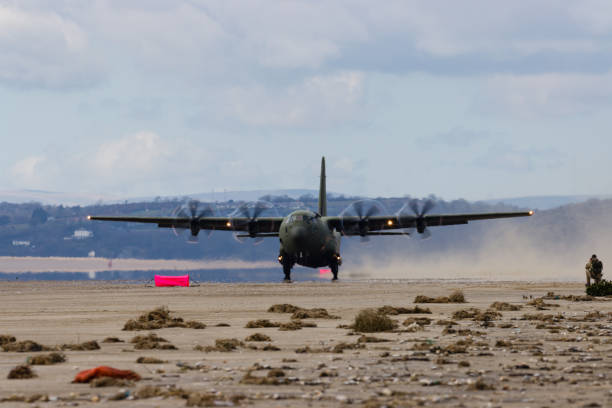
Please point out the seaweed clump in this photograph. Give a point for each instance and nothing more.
(301, 313)
(47, 359)
(261, 323)
(151, 342)
(223, 345)
(274, 377)
(86, 346)
(258, 337)
(370, 321)
(392, 310)
(158, 319)
(6, 339)
(149, 360)
(24, 346)
(21, 372)
(504, 307)
(455, 297)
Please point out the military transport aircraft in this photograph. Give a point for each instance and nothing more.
(312, 239)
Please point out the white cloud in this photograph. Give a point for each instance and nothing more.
(44, 49)
(134, 154)
(314, 101)
(27, 171)
(552, 94)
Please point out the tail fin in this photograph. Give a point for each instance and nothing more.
(322, 191)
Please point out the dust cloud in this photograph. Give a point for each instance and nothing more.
(554, 246)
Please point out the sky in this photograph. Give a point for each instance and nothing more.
(470, 99)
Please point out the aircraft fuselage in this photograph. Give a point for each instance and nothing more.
(306, 239)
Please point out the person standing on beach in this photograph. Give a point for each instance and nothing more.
(594, 270)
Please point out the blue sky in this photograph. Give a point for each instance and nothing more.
(471, 99)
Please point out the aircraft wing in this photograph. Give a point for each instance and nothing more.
(350, 224)
(260, 225)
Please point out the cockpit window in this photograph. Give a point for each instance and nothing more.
(302, 217)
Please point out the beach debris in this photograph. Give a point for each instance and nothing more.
(24, 347)
(223, 345)
(258, 337)
(504, 307)
(295, 325)
(274, 377)
(160, 318)
(539, 304)
(150, 360)
(283, 308)
(261, 323)
(456, 296)
(86, 376)
(370, 321)
(21, 372)
(480, 385)
(371, 339)
(6, 339)
(47, 359)
(316, 313)
(86, 346)
(152, 391)
(340, 347)
(421, 321)
(113, 340)
(150, 342)
(109, 382)
(301, 312)
(542, 317)
(392, 310)
(466, 313)
(29, 399)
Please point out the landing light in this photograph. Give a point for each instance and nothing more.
(89, 217)
(390, 222)
(228, 224)
(531, 212)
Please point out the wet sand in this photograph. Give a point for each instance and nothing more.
(12, 264)
(564, 361)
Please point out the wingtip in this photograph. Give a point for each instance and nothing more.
(531, 212)
(89, 217)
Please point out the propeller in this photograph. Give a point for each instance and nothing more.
(354, 218)
(419, 214)
(248, 214)
(193, 211)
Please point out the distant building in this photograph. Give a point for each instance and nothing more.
(82, 234)
(21, 243)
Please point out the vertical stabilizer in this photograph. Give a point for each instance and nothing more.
(322, 191)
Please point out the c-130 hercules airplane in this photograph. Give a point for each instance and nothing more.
(313, 239)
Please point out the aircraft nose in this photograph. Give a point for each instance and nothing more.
(298, 234)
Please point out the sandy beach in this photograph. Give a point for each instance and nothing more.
(557, 354)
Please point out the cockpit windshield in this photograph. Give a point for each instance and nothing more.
(307, 218)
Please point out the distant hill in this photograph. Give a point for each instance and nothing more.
(546, 202)
(85, 199)
(553, 244)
